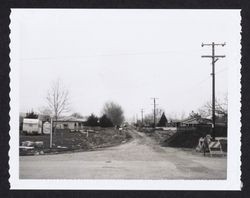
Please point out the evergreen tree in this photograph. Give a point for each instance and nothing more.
(163, 121)
(92, 120)
(105, 121)
(32, 115)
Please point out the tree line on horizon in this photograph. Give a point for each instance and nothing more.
(112, 115)
(58, 103)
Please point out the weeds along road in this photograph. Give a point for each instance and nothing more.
(141, 158)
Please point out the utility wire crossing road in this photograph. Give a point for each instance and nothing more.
(141, 158)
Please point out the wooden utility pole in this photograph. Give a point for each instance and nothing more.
(142, 117)
(154, 111)
(51, 132)
(214, 59)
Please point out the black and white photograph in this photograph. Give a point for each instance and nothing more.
(125, 99)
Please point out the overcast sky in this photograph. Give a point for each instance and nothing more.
(125, 56)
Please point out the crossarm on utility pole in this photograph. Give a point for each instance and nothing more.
(213, 44)
(218, 56)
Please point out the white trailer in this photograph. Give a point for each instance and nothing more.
(32, 126)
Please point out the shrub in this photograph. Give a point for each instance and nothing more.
(105, 121)
(92, 121)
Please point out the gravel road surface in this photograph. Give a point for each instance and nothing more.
(140, 158)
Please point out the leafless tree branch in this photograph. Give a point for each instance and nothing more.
(57, 99)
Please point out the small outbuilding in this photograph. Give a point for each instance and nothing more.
(46, 127)
(32, 126)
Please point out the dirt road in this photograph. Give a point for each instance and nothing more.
(141, 158)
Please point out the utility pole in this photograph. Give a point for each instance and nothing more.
(214, 59)
(51, 132)
(142, 117)
(154, 110)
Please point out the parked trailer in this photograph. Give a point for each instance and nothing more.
(32, 126)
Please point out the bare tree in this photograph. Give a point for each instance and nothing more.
(149, 118)
(77, 115)
(183, 115)
(57, 100)
(193, 114)
(220, 108)
(45, 111)
(114, 112)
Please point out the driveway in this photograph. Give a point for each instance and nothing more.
(141, 158)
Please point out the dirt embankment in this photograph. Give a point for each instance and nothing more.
(189, 138)
(184, 137)
(159, 135)
(65, 141)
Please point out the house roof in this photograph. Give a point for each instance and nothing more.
(30, 121)
(71, 119)
(196, 121)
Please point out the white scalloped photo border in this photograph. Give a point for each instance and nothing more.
(234, 127)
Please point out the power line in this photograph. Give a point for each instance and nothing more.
(104, 55)
(198, 84)
(214, 59)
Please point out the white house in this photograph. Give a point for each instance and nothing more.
(71, 123)
(196, 121)
(32, 126)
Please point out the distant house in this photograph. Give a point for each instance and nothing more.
(71, 123)
(195, 121)
(32, 126)
(173, 123)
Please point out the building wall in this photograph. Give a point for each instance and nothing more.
(32, 128)
(69, 125)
